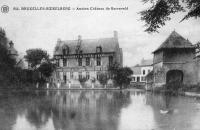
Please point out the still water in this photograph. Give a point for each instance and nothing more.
(97, 110)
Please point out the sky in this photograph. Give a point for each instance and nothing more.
(41, 29)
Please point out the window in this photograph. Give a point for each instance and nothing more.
(98, 61)
(65, 78)
(57, 75)
(143, 72)
(64, 62)
(87, 75)
(138, 79)
(87, 61)
(110, 60)
(80, 62)
(98, 74)
(80, 75)
(64, 51)
(71, 75)
(99, 49)
(133, 78)
(57, 63)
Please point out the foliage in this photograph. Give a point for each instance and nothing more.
(7, 66)
(93, 80)
(82, 80)
(47, 69)
(112, 69)
(121, 75)
(5, 60)
(35, 56)
(103, 78)
(160, 10)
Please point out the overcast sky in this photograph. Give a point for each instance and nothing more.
(41, 29)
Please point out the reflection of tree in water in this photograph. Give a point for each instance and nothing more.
(38, 112)
(12, 104)
(7, 113)
(85, 110)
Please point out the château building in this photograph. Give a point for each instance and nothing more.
(85, 58)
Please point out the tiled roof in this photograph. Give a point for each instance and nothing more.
(87, 45)
(175, 40)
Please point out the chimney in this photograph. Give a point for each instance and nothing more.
(115, 34)
(79, 40)
(79, 37)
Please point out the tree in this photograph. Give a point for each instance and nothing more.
(160, 10)
(82, 80)
(103, 78)
(35, 56)
(5, 60)
(47, 69)
(121, 75)
(7, 66)
(112, 69)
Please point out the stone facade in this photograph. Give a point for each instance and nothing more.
(87, 58)
(176, 55)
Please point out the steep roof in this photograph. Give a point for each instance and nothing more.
(87, 45)
(175, 40)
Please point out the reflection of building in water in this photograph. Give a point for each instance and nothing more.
(85, 58)
(88, 109)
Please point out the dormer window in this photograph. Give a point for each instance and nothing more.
(65, 50)
(79, 51)
(99, 49)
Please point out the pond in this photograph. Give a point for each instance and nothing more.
(97, 110)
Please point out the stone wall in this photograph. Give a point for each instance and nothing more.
(158, 57)
(176, 60)
(181, 56)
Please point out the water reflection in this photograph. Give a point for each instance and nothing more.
(97, 110)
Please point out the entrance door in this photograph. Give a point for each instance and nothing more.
(138, 79)
(65, 78)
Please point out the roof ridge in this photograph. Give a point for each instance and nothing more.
(175, 40)
(90, 39)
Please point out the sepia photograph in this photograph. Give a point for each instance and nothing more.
(99, 65)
